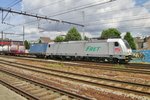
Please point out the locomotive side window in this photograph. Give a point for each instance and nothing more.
(127, 45)
(116, 44)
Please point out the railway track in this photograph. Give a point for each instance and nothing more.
(137, 88)
(35, 90)
(83, 63)
(11, 84)
(129, 70)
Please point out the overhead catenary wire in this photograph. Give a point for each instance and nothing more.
(116, 10)
(93, 5)
(15, 3)
(11, 3)
(102, 13)
(78, 8)
(86, 6)
(87, 25)
(52, 3)
(116, 18)
(56, 2)
(37, 16)
(38, 7)
(113, 22)
(134, 26)
(82, 7)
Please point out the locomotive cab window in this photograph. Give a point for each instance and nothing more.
(127, 45)
(116, 44)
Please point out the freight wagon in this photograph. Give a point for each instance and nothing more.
(38, 49)
(12, 47)
(17, 49)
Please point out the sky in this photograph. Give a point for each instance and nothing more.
(97, 15)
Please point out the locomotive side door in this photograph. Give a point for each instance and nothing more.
(111, 48)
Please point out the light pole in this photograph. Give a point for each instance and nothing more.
(83, 16)
(23, 34)
(2, 39)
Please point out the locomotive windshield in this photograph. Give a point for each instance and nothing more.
(126, 44)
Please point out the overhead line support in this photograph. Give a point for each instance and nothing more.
(37, 16)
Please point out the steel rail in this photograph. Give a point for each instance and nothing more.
(70, 94)
(95, 64)
(129, 70)
(90, 82)
(19, 91)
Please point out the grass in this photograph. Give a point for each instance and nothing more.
(119, 66)
(56, 65)
(61, 66)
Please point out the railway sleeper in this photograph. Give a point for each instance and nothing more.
(35, 90)
(43, 93)
(39, 91)
(51, 97)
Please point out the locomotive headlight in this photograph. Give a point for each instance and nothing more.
(129, 51)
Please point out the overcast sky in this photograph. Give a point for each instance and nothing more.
(125, 15)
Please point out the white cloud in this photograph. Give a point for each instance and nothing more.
(96, 18)
(99, 17)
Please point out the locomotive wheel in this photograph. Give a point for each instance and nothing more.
(115, 61)
(72, 58)
(122, 61)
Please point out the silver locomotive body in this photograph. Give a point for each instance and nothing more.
(110, 50)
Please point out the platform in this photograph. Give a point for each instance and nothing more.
(7, 94)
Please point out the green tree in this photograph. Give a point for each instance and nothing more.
(73, 35)
(26, 44)
(59, 39)
(40, 41)
(111, 33)
(86, 38)
(130, 40)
